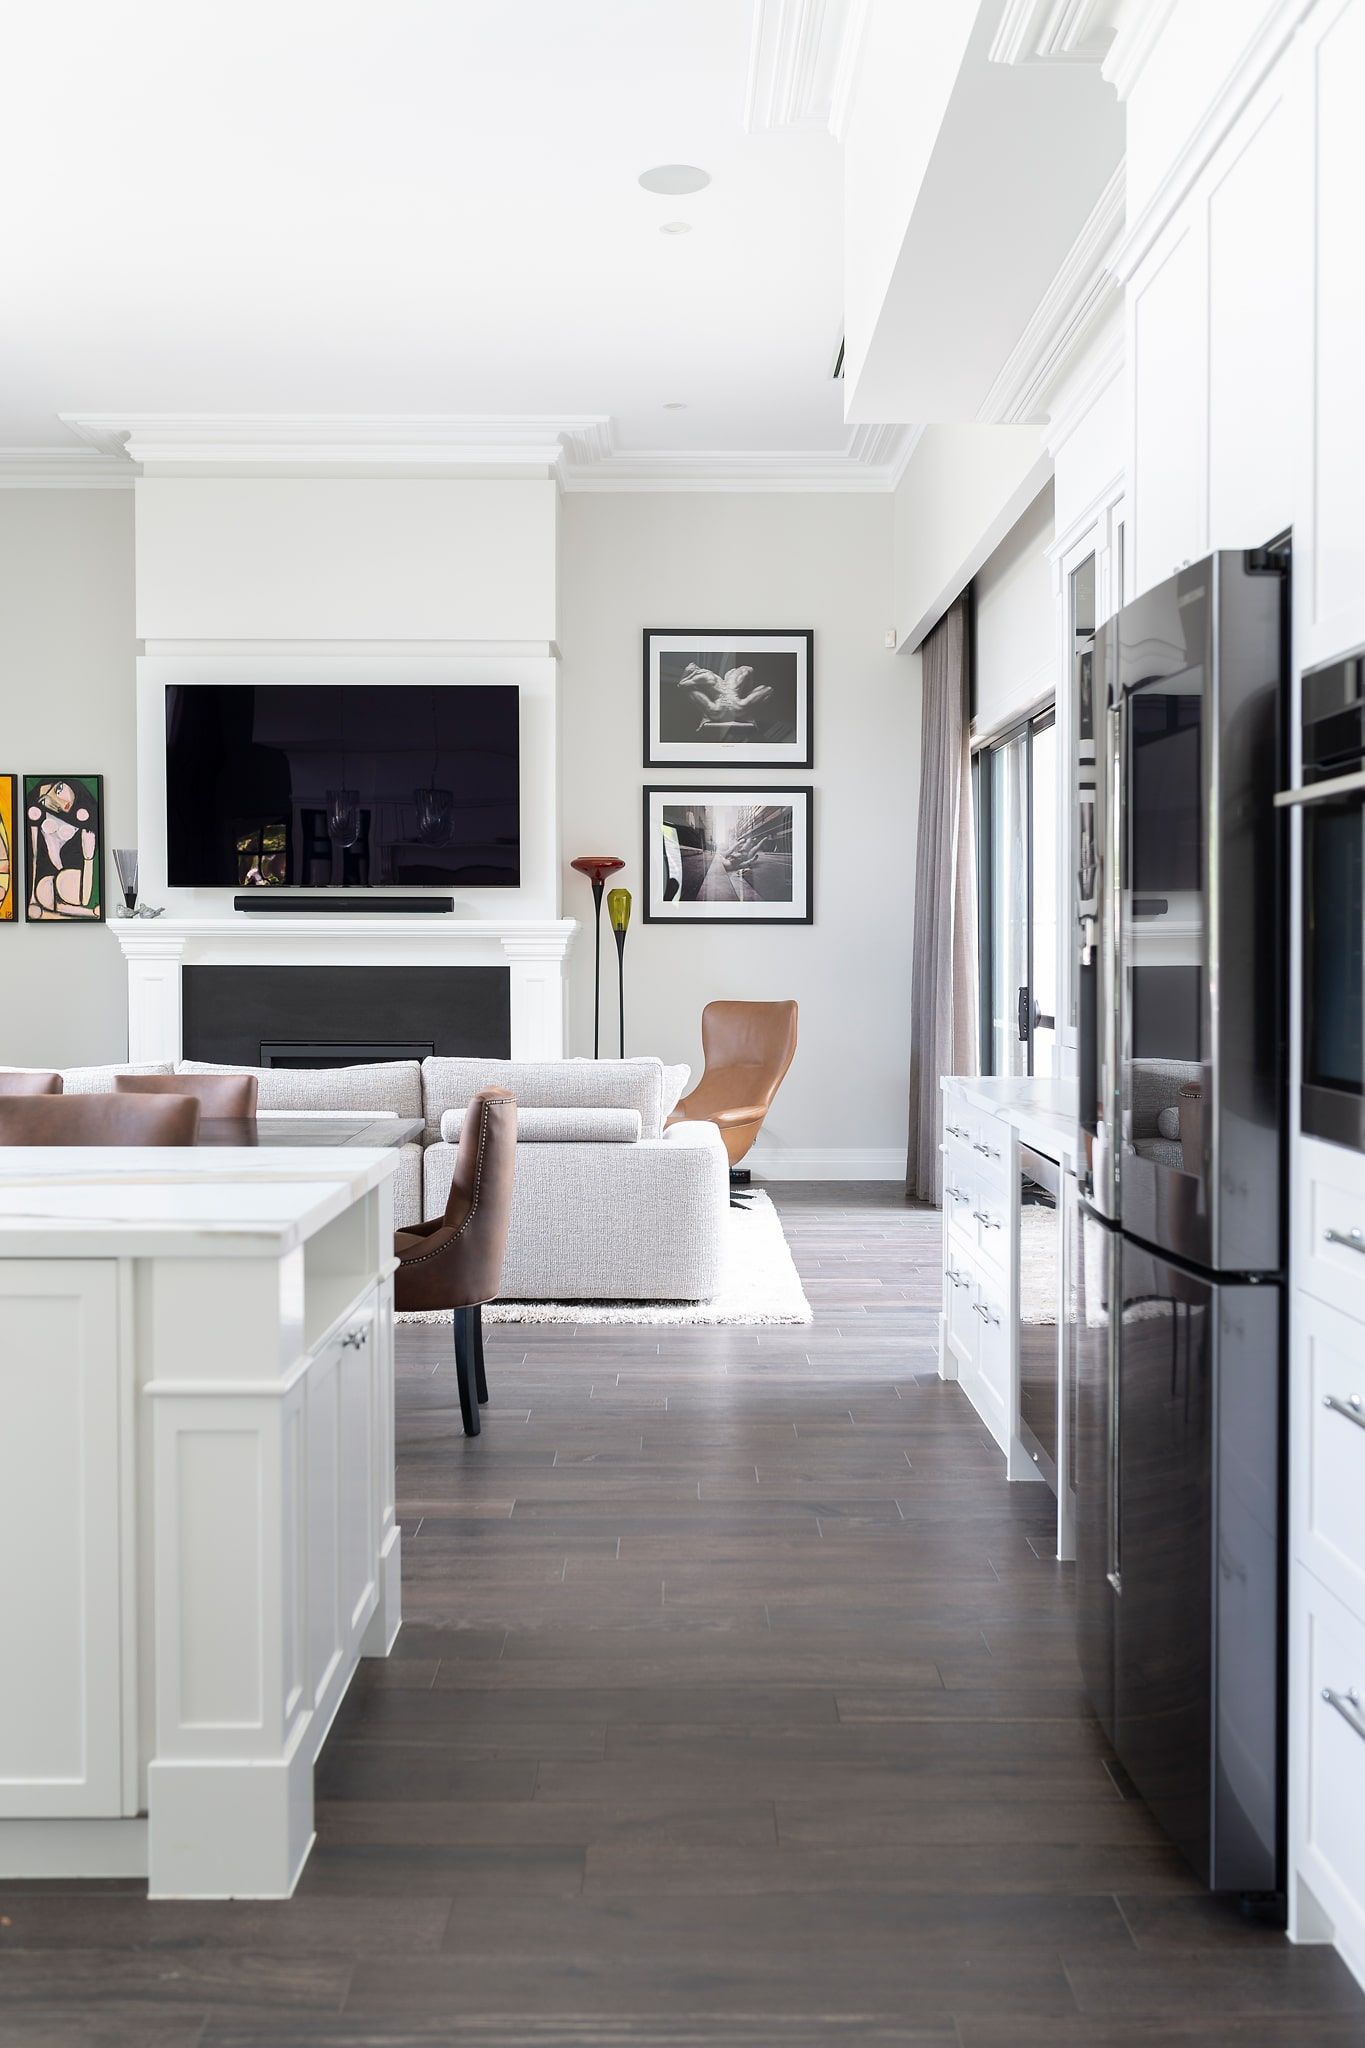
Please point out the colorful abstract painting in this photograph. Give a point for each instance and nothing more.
(63, 833)
(9, 853)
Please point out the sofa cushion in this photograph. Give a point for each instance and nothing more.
(100, 1080)
(675, 1081)
(639, 1222)
(561, 1126)
(548, 1084)
(394, 1085)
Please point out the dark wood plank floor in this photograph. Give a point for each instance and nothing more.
(735, 1704)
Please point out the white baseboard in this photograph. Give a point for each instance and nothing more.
(819, 1162)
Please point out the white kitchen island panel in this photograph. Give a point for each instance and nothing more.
(198, 1504)
(66, 1402)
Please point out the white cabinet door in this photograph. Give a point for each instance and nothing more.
(62, 1417)
(1168, 359)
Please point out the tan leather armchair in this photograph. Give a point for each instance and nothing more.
(455, 1261)
(218, 1095)
(98, 1120)
(748, 1049)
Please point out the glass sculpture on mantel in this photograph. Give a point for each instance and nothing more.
(125, 860)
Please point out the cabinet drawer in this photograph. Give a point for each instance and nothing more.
(1329, 1203)
(991, 1150)
(994, 1353)
(991, 1215)
(957, 1122)
(959, 1201)
(1330, 1747)
(960, 1294)
(1329, 1445)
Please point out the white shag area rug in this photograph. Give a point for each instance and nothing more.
(759, 1284)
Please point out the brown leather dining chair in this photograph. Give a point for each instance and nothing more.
(455, 1261)
(98, 1120)
(748, 1049)
(25, 1081)
(218, 1095)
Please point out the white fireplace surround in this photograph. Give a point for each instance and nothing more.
(533, 950)
(519, 929)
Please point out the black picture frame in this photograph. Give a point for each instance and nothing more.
(93, 785)
(726, 646)
(658, 906)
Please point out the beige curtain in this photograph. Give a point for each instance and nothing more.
(943, 982)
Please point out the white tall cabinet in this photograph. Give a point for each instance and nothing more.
(1244, 307)
(197, 1506)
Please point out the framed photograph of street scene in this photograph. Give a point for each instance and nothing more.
(728, 856)
(728, 699)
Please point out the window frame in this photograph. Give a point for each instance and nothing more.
(1040, 719)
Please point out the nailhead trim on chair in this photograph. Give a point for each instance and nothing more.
(422, 1259)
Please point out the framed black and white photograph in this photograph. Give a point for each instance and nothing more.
(728, 700)
(728, 856)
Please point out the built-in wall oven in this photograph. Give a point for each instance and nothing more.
(1332, 797)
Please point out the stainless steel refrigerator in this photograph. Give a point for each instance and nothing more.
(1175, 1224)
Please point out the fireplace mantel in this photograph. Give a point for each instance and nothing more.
(533, 950)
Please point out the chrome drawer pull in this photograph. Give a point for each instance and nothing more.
(986, 1222)
(956, 1131)
(1352, 1242)
(354, 1339)
(1350, 1408)
(1347, 1704)
(985, 1314)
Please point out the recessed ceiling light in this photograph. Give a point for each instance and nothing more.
(675, 178)
(675, 405)
(676, 227)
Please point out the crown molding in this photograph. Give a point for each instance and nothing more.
(871, 460)
(72, 469)
(578, 451)
(1137, 32)
(1053, 31)
(1258, 55)
(1065, 317)
(1088, 375)
(803, 62)
(331, 442)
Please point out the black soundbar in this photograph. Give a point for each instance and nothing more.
(367, 906)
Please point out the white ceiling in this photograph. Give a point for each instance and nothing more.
(411, 207)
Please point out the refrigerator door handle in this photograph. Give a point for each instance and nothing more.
(1115, 1572)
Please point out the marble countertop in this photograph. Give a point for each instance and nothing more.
(1042, 1111)
(139, 1202)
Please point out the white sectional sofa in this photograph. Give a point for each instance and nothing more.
(610, 1204)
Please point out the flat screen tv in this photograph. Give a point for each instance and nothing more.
(320, 786)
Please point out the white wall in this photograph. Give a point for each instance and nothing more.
(66, 706)
(359, 580)
(1016, 622)
(307, 558)
(963, 489)
(822, 561)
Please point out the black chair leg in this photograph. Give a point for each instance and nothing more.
(464, 1372)
(480, 1376)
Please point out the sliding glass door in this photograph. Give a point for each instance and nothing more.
(1016, 799)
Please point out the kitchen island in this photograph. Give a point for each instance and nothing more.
(196, 1502)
